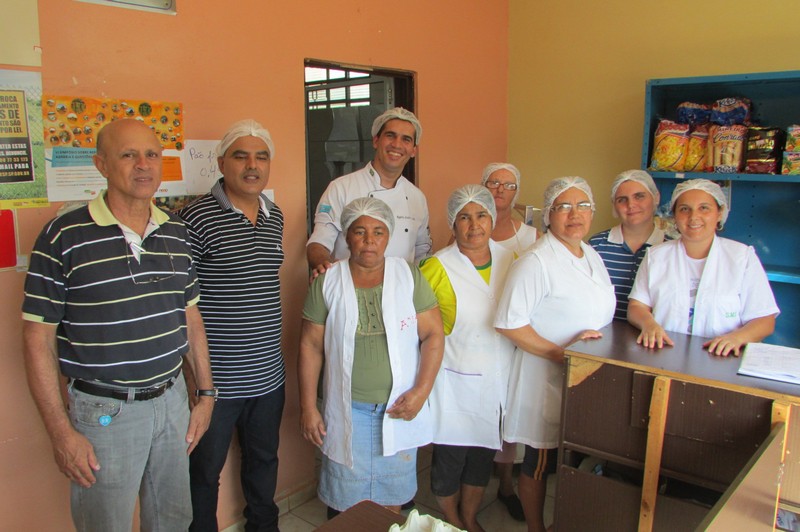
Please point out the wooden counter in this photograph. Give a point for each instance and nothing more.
(678, 414)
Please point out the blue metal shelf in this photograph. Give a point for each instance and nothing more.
(765, 209)
(783, 274)
(762, 178)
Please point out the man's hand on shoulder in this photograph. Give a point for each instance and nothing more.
(319, 270)
(319, 260)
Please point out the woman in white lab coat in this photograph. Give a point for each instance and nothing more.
(557, 294)
(469, 395)
(702, 284)
(375, 323)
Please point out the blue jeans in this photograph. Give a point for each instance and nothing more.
(142, 451)
(257, 421)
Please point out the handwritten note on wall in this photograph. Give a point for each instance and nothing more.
(200, 170)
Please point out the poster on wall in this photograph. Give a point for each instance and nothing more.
(22, 177)
(70, 127)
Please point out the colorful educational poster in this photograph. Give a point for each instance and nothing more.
(22, 178)
(71, 124)
(72, 176)
(8, 240)
(73, 121)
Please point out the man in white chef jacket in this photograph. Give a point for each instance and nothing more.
(395, 136)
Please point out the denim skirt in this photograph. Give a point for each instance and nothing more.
(386, 480)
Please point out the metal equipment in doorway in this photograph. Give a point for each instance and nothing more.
(341, 104)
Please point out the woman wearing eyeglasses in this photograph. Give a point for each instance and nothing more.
(502, 179)
(702, 284)
(557, 294)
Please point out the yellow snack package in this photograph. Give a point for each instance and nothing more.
(696, 150)
(670, 144)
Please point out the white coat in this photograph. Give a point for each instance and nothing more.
(410, 238)
(469, 395)
(548, 290)
(400, 322)
(733, 288)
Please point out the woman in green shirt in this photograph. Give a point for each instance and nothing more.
(374, 322)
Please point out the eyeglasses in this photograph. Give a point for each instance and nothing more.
(150, 263)
(565, 208)
(498, 184)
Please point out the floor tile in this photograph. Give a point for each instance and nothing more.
(495, 518)
(292, 523)
(314, 511)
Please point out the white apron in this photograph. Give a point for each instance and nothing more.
(469, 395)
(400, 321)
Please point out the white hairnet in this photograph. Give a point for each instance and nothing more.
(244, 128)
(366, 206)
(398, 113)
(494, 167)
(638, 176)
(706, 186)
(470, 194)
(558, 186)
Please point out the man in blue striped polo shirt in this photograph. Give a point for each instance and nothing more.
(110, 301)
(634, 198)
(236, 234)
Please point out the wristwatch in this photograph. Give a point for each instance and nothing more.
(213, 392)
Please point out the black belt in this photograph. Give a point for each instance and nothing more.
(141, 394)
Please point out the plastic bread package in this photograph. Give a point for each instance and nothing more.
(763, 150)
(725, 154)
(694, 113)
(670, 143)
(731, 111)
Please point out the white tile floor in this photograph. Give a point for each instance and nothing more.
(493, 515)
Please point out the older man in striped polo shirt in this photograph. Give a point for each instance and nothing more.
(110, 301)
(236, 234)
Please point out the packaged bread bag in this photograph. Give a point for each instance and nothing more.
(725, 153)
(731, 111)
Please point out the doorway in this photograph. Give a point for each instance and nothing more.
(341, 102)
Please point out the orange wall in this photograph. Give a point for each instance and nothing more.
(230, 60)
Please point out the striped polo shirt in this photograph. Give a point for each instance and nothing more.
(237, 265)
(121, 320)
(621, 263)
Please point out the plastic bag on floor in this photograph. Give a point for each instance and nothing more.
(423, 523)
